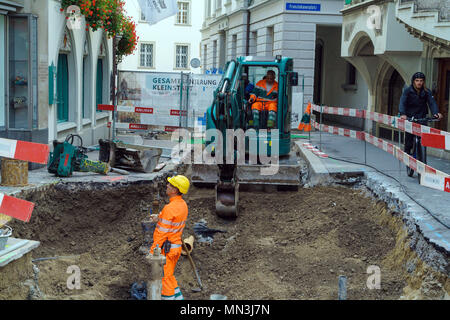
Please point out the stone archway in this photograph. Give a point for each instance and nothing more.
(389, 89)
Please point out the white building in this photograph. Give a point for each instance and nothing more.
(51, 76)
(170, 44)
(307, 31)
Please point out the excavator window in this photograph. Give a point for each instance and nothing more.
(255, 83)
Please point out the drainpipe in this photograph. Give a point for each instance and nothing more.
(247, 39)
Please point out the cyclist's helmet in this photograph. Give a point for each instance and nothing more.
(417, 75)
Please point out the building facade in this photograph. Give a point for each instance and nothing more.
(170, 44)
(307, 31)
(388, 41)
(52, 74)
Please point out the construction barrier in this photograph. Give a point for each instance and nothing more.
(16, 208)
(25, 151)
(430, 177)
(393, 121)
(437, 141)
(170, 100)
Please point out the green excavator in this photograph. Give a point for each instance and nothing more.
(260, 135)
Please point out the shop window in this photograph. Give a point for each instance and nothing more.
(22, 78)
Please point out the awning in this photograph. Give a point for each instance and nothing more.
(7, 6)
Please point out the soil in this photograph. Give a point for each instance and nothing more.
(283, 245)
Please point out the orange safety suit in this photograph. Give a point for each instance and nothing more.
(171, 222)
(305, 123)
(265, 100)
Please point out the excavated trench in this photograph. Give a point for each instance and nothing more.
(283, 245)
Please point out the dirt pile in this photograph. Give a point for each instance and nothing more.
(283, 245)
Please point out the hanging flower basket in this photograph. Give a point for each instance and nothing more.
(108, 15)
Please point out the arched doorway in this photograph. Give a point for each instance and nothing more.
(389, 88)
(395, 89)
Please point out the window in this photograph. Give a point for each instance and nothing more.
(270, 41)
(233, 46)
(351, 74)
(253, 43)
(146, 55)
(62, 88)
(99, 85)
(183, 13)
(214, 56)
(142, 18)
(182, 57)
(205, 56)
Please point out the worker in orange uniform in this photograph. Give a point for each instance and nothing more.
(265, 97)
(167, 235)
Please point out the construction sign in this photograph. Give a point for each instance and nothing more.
(161, 98)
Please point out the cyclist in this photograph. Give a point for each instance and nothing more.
(415, 101)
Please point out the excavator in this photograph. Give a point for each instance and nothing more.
(239, 161)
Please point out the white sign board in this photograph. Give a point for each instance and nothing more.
(154, 98)
(297, 109)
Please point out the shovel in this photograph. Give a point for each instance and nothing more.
(193, 267)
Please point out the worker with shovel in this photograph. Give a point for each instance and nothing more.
(167, 235)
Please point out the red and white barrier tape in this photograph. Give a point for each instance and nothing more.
(314, 150)
(23, 150)
(395, 122)
(16, 208)
(425, 170)
(437, 141)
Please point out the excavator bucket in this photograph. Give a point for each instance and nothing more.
(227, 199)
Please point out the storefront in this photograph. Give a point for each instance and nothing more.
(18, 70)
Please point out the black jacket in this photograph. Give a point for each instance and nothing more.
(413, 104)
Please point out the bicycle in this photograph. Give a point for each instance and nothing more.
(419, 151)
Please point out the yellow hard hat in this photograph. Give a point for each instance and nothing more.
(180, 182)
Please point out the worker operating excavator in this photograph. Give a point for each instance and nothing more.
(264, 97)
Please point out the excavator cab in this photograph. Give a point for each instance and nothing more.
(256, 114)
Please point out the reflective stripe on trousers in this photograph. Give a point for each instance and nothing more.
(177, 296)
